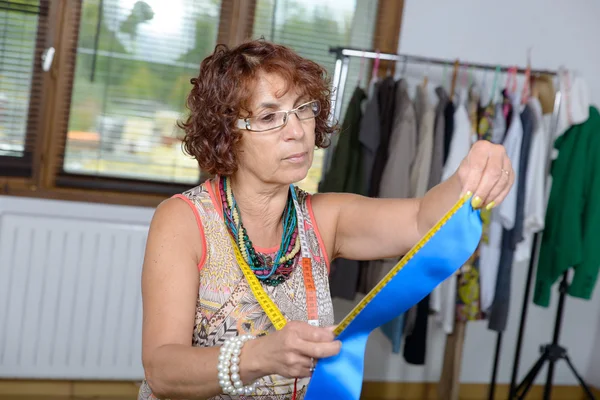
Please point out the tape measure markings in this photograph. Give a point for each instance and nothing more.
(272, 311)
(312, 307)
(390, 275)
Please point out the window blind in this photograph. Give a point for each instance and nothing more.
(134, 62)
(311, 27)
(22, 22)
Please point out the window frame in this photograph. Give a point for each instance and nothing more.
(23, 166)
(46, 179)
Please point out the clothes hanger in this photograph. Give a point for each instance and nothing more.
(426, 76)
(511, 77)
(454, 76)
(465, 83)
(376, 66)
(526, 91)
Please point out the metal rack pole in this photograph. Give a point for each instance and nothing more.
(353, 52)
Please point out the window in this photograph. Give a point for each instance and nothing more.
(312, 27)
(21, 23)
(134, 62)
(97, 121)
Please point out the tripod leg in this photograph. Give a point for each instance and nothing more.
(579, 378)
(525, 385)
(492, 392)
(562, 288)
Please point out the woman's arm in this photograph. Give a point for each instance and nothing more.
(170, 280)
(363, 228)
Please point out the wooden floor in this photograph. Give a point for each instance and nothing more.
(76, 390)
(30, 397)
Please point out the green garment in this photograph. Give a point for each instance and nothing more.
(572, 229)
(344, 174)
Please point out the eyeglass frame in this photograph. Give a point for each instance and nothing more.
(244, 123)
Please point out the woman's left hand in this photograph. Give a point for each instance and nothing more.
(487, 173)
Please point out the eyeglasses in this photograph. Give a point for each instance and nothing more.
(277, 119)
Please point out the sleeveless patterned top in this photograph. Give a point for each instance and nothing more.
(226, 306)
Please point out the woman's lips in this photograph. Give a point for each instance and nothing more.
(296, 158)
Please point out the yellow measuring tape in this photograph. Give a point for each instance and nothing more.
(272, 311)
(363, 303)
(277, 318)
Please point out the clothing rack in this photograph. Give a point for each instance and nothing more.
(343, 56)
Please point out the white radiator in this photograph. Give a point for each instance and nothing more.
(70, 303)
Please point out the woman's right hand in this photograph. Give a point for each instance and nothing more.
(288, 352)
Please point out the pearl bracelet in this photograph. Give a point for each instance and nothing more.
(229, 360)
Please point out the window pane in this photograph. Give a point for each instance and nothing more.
(311, 27)
(135, 60)
(18, 32)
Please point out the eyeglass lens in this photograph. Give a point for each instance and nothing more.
(273, 120)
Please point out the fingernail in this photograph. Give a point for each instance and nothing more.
(476, 202)
(490, 205)
(466, 195)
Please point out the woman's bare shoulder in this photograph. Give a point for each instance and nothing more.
(326, 209)
(175, 226)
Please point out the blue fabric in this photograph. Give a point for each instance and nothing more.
(340, 377)
(393, 330)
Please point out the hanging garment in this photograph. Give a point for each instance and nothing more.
(448, 127)
(437, 154)
(468, 291)
(503, 216)
(499, 125)
(542, 87)
(440, 302)
(395, 183)
(416, 319)
(369, 137)
(498, 313)
(445, 297)
(473, 106)
(512, 143)
(460, 143)
(421, 169)
(507, 108)
(387, 95)
(444, 315)
(535, 196)
(572, 225)
(575, 102)
(415, 343)
(470, 298)
(345, 175)
(395, 179)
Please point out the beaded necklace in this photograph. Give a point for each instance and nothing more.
(271, 272)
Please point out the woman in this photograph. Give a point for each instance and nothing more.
(256, 114)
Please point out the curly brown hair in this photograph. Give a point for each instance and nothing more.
(223, 90)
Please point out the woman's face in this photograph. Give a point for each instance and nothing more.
(282, 155)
